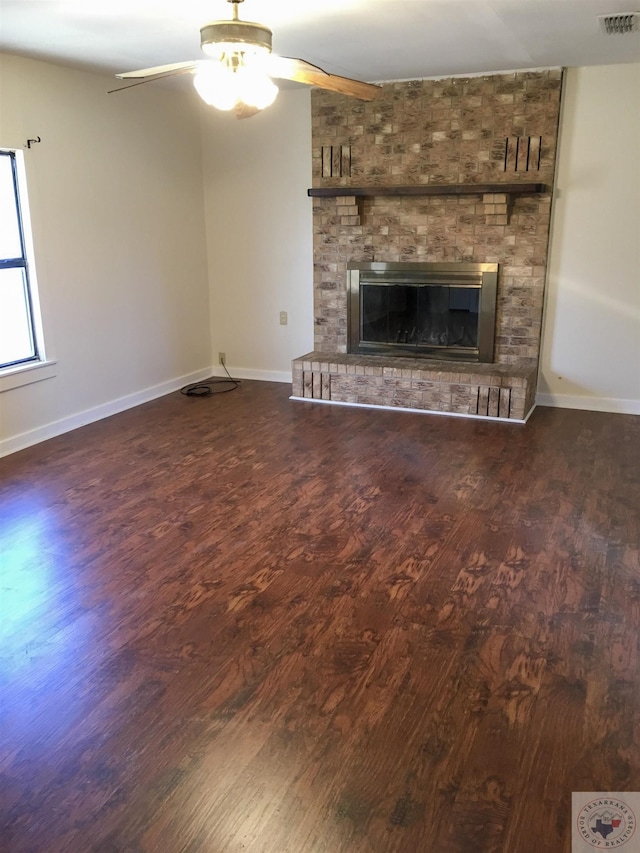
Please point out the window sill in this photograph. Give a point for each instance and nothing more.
(26, 374)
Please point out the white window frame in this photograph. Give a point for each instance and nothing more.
(40, 367)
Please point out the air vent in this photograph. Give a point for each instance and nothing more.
(622, 22)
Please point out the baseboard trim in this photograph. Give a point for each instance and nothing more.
(416, 411)
(260, 375)
(613, 405)
(105, 410)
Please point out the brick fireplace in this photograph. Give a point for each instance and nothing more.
(437, 171)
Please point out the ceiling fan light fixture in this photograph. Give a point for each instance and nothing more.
(216, 85)
(220, 49)
(225, 84)
(239, 35)
(256, 89)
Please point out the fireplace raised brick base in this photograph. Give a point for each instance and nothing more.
(485, 390)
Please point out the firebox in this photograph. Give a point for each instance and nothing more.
(444, 311)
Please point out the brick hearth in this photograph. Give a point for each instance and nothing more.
(488, 390)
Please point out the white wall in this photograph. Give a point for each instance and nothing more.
(591, 338)
(115, 190)
(259, 234)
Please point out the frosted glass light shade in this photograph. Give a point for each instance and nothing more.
(217, 86)
(255, 88)
(223, 86)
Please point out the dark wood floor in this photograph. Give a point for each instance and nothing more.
(245, 624)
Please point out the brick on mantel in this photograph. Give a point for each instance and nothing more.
(349, 209)
(496, 208)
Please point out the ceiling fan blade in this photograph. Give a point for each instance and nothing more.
(286, 68)
(159, 70)
(148, 75)
(246, 111)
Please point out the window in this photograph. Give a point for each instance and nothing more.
(20, 335)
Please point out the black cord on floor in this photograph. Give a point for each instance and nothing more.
(206, 387)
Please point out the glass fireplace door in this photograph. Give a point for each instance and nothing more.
(435, 310)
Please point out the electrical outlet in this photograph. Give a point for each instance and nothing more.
(222, 358)
(283, 318)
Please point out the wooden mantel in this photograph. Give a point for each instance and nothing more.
(429, 189)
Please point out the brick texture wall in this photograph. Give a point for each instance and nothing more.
(500, 128)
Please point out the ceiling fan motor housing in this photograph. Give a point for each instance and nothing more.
(243, 33)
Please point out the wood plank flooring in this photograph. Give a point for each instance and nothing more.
(245, 624)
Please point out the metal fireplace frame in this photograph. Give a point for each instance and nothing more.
(483, 277)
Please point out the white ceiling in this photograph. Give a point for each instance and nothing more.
(372, 40)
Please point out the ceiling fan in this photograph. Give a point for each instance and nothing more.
(238, 74)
